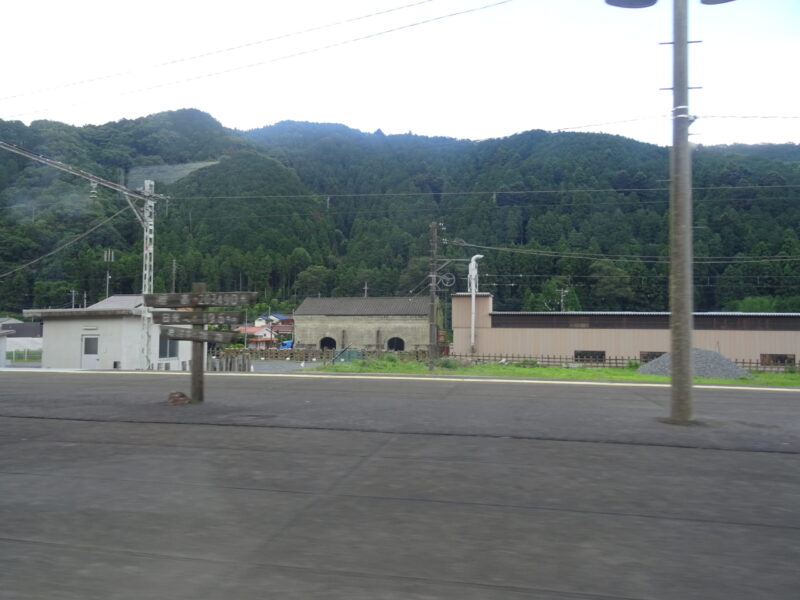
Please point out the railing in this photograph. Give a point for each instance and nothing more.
(240, 359)
(547, 360)
(24, 355)
(755, 365)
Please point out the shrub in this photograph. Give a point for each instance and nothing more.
(447, 363)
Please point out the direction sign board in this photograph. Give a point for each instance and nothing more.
(175, 317)
(197, 335)
(199, 299)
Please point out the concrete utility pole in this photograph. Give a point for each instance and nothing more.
(147, 220)
(432, 329)
(108, 257)
(681, 271)
(681, 303)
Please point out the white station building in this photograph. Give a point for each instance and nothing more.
(108, 335)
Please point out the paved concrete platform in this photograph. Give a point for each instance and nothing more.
(106, 504)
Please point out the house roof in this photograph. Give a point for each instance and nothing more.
(119, 305)
(253, 329)
(127, 301)
(360, 306)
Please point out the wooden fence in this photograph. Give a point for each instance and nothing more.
(241, 359)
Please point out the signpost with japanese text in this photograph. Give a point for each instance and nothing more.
(174, 317)
(195, 300)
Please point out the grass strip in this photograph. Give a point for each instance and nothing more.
(445, 366)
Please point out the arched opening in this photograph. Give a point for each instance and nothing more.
(396, 344)
(327, 343)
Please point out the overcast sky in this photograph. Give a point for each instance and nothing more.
(491, 72)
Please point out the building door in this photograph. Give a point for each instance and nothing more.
(90, 355)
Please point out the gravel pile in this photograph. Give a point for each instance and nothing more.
(706, 363)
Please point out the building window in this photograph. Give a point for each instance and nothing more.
(396, 344)
(327, 343)
(90, 344)
(590, 356)
(646, 356)
(167, 348)
(777, 359)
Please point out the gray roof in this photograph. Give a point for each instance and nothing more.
(113, 306)
(360, 306)
(125, 301)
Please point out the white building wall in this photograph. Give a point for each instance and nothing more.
(119, 343)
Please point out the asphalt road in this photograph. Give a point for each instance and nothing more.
(286, 486)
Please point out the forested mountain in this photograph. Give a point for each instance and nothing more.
(295, 209)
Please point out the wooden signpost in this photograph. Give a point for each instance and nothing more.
(173, 317)
(197, 299)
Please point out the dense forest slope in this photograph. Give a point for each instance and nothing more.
(569, 220)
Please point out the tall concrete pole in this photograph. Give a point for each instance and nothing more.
(432, 328)
(681, 256)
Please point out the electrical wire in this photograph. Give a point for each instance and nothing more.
(666, 116)
(631, 258)
(749, 117)
(217, 52)
(63, 246)
(283, 57)
(321, 195)
(620, 122)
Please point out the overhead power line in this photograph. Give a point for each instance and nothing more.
(63, 246)
(487, 193)
(619, 122)
(667, 116)
(287, 56)
(217, 52)
(629, 257)
(750, 117)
